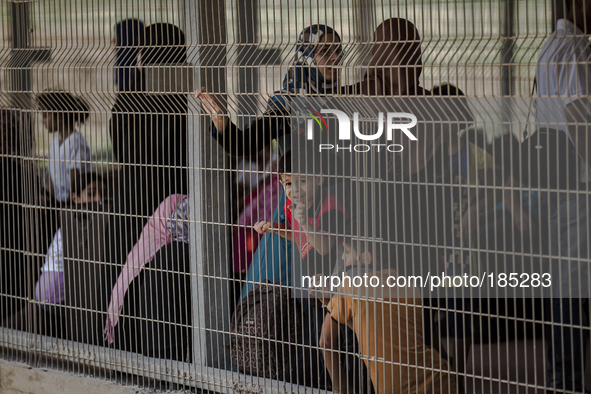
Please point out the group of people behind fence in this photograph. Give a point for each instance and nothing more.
(440, 194)
(98, 216)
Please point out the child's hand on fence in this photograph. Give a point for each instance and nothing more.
(262, 227)
(271, 227)
(211, 105)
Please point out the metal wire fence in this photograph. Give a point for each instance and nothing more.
(245, 196)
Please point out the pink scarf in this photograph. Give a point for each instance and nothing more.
(154, 236)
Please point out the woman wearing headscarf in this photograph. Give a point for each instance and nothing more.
(313, 72)
(149, 136)
(127, 40)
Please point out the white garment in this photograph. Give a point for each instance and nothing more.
(73, 153)
(563, 75)
(54, 261)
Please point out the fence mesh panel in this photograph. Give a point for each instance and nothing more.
(356, 196)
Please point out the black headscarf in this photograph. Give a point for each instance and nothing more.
(163, 43)
(137, 139)
(128, 36)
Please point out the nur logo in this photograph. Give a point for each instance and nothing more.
(392, 123)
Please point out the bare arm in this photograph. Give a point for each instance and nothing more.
(252, 139)
(322, 243)
(329, 344)
(272, 227)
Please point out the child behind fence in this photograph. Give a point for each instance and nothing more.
(388, 323)
(62, 112)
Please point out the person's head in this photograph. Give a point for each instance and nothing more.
(127, 40)
(162, 43)
(579, 12)
(62, 111)
(396, 64)
(320, 45)
(86, 187)
(359, 251)
(458, 104)
(128, 34)
(300, 188)
(327, 55)
(16, 133)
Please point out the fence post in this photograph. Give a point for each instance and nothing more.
(210, 190)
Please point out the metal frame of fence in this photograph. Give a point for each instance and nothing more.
(240, 50)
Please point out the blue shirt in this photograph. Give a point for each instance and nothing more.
(273, 258)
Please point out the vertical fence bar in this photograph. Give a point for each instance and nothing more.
(192, 22)
(211, 246)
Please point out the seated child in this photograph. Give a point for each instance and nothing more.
(388, 323)
(69, 152)
(86, 187)
(314, 216)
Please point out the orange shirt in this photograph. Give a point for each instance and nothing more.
(388, 323)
